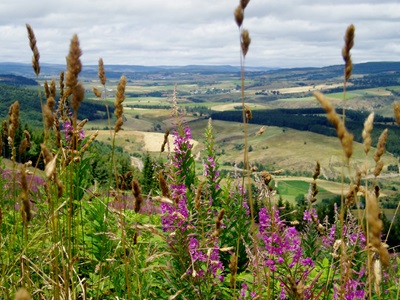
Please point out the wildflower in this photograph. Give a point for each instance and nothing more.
(68, 130)
(215, 261)
(329, 239)
(310, 215)
(282, 247)
(243, 290)
(194, 251)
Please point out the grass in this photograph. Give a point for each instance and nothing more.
(289, 189)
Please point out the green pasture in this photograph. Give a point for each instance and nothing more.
(204, 104)
(147, 101)
(340, 95)
(290, 189)
(299, 99)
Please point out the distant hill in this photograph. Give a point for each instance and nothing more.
(30, 110)
(15, 80)
(115, 71)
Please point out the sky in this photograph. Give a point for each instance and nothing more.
(285, 33)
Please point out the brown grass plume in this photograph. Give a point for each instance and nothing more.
(74, 67)
(13, 120)
(119, 99)
(245, 41)
(26, 205)
(375, 226)
(22, 294)
(345, 137)
(102, 72)
(366, 134)
(137, 192)
(32, 44)
(348, 44)
(396, 107)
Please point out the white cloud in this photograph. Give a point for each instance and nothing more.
(290, 33)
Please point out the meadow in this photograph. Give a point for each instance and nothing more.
(213, 209)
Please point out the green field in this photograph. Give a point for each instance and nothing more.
(290, 189)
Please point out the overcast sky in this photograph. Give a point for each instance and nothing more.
(285, 33)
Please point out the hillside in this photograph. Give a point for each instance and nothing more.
(29, 102)
(114, 71)
(314, 120)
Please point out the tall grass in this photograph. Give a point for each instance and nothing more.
(190, 237)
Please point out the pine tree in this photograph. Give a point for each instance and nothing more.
(148, 182)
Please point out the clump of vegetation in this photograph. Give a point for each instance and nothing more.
(171, 234)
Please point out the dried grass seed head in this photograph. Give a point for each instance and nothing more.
(396, 108)
(61, 82)
(53, 88)
(26, 205)
(380, 148)
(166, 134)
(266, 177)
(22, 294)
(93, 136)
(13, 120)
(348, 44)
(46, 89)
(317, 171)
(74, 65)
(78, 94)
(243, 3)
(97, 92)
(378, 168)
(102, 72)
(47, 156)
(119, 99)
(245, 41)
(376, 226)
(81, 124)
(248, 113)
(239, 15)
(366, 134)
(345, 137)
(36, 55)
(163, 185)
(198, 195)
(48, 109)
(26, 143)
(261, 131)
(137, 193)
(347, 144)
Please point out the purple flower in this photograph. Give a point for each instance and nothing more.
(194, 251)
(270, 264)
(282, 245)
(243, 290)
(329, 239)
(309, 215)
(246, 206)
(307, 262)
(215, 261)
(282, 294)
(68, 130)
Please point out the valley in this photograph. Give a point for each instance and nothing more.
(205, 91)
